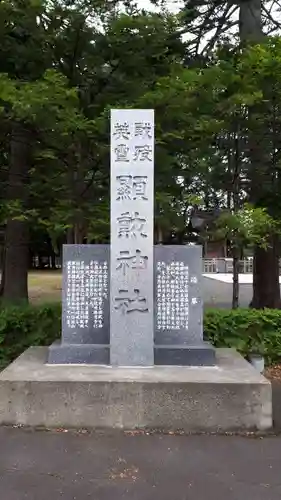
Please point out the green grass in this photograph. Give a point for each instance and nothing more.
(44, 287)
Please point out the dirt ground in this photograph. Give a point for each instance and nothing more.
(44, 286)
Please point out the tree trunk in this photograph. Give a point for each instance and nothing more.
(159, 235)
(250, 21)
(236, 204)
(15, 288)
(235, 285)
(2, 271)
(53, 260)
(70, 236)
(266, 289)
(79, 232)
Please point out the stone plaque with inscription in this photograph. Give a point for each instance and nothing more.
(131, 280)
(85, 306)
(178, 323)
(178, 307)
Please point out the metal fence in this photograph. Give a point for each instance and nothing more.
(216, 265)
(226, 266)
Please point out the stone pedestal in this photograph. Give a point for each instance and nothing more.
(232, 396)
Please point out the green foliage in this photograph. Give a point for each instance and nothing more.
(247, 226)
(22, 327)
(96, 57)
(48, 101)
(247, 330)
(65, 64)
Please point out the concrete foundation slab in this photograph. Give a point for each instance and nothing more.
(229, 396)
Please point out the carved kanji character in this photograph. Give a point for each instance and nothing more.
(139, 187)
(130, 225)
(143, 153)
(128, 304)
(124, 190)
(121, 130)
(133, 261)
(143, 129)
(121, 152)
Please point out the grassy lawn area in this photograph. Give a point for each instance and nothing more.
(44, 286)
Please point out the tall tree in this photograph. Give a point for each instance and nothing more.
(64, 112)
(23, 55)
(214, 23)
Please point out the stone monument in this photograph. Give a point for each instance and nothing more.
(133, 304)
(129, 310)
(132, 229)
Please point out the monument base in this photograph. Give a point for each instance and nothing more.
(185, 355)
(61, 353)
(93, 354)
(229, 396)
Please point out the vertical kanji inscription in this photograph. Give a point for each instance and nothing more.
(131, 252)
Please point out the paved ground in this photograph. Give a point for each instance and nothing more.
(219, 294)
(276, 404)
(54, 466)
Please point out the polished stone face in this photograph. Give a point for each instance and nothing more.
(85, 294)
(131, 280)
(178, 294)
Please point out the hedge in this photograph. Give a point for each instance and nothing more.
(247, 330)
(22, 327)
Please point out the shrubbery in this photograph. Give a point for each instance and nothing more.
(21, 327)
(247, 330)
